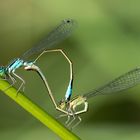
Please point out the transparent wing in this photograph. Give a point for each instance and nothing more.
(125, 81)
(61, 32)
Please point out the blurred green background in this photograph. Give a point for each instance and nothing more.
(105, 45)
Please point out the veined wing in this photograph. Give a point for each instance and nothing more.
(61, 32)
(123, 82)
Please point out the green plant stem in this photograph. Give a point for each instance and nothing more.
(37, 112)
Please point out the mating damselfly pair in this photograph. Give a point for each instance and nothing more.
(67, 105)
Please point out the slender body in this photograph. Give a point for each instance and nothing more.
(61, 32)
(69, 107)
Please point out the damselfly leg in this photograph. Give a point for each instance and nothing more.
(22, 82)
(11, 77)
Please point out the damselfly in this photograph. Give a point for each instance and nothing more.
(69, 107)
(57, 35)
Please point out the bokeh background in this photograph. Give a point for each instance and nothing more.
(105, 45)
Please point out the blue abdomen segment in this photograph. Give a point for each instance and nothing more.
(15, 64)
(69, 91)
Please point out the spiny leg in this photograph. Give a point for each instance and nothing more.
(61, 116)
(74, 118)
(64, 115)
(77, 122)
(70, 122)
(84, 110)
(22, 84)
(68, 125)
(68, 119)
(13, 81)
